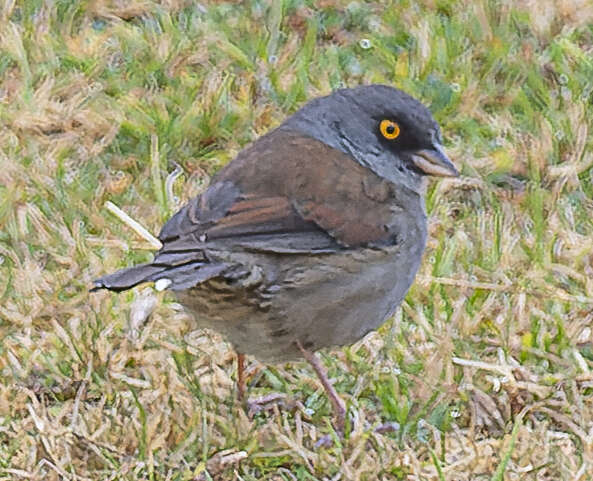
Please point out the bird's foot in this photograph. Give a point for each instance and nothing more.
(255, 405)
(388, 427)
(268, 401)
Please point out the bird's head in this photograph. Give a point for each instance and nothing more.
(381, 127)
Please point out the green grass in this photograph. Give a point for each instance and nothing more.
(485, 372)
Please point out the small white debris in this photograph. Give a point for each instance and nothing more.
(140, 310)
(172, 199)
(202, 238)
(578, 357)
(39, 423)
(365, 43)
(584, 336)
(162, 284)
(495, 383)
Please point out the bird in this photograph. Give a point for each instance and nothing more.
(311, 236)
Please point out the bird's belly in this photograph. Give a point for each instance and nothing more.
(320, 301)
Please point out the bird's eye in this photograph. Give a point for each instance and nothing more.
(389, 129)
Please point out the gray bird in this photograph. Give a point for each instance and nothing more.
(312, 235)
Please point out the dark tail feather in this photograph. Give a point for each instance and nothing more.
(180, 277)
(127, 278)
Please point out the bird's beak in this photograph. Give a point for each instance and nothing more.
(434, 161)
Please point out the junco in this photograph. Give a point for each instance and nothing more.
(312, 235)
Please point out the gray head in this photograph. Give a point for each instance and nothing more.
(382, 128)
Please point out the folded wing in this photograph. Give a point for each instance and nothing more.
(286, 194)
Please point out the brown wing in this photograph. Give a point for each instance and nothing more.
(286, 192)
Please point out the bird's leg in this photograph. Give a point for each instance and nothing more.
(241, 381)
(336, 401)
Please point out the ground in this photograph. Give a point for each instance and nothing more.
(485, 373)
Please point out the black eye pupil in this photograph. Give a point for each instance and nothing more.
(390, 129)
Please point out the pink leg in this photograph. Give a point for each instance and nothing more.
(337, 402)
(241, 381)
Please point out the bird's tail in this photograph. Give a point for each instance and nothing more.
(175, 277)
(127, 278)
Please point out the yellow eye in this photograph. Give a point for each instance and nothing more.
(389, 129)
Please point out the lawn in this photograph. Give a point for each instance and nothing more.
(485, 373)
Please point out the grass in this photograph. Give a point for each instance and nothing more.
(486, 371)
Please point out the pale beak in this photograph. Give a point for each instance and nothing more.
(434, 161)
